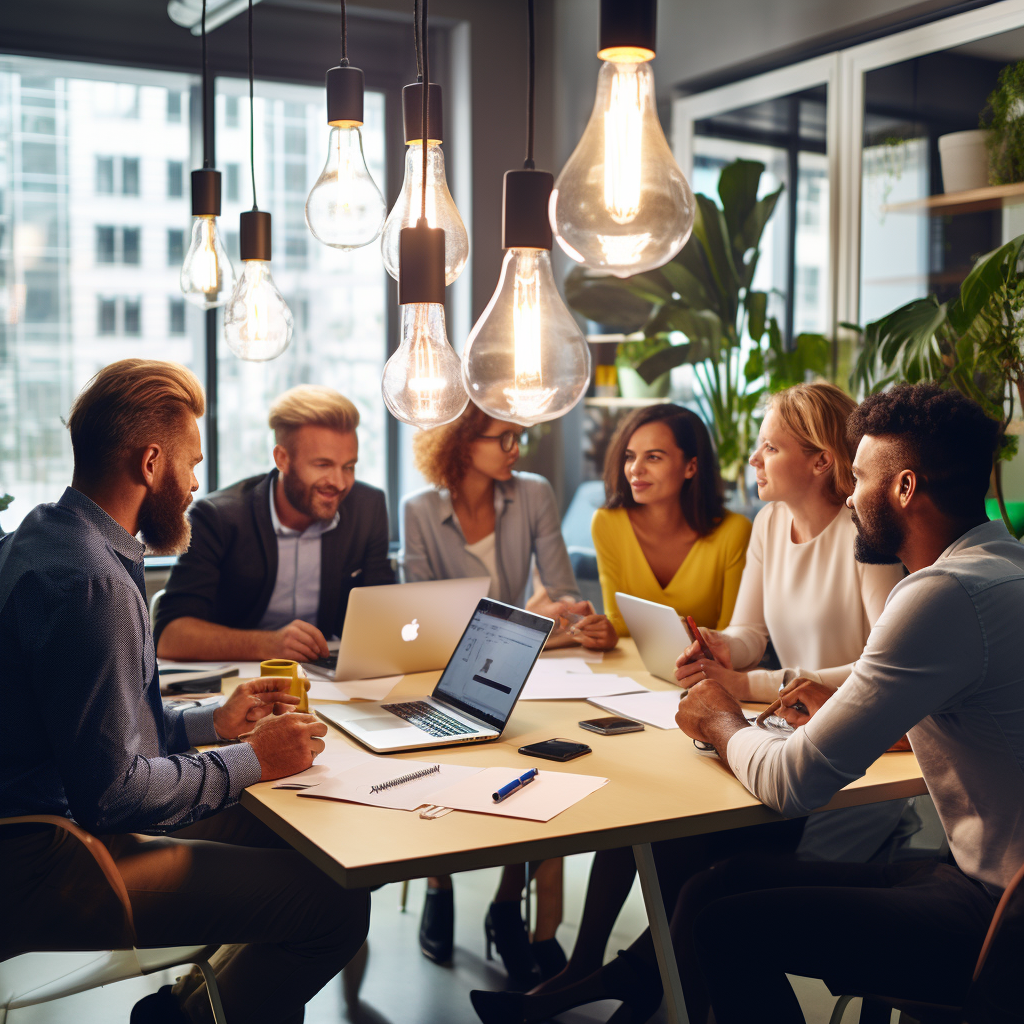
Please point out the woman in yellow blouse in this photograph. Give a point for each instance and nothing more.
(664, 533)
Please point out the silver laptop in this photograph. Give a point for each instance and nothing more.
(659, 634)
(474, 697)
(400, 628)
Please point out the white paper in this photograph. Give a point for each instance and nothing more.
(193, 666)
(655, 707)
(355, 784)
(577, 686)
(561, 666)
(356, 689)
(326, 765)
(549, 794)
(571, 652)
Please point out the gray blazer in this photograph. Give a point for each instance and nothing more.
(525, 523)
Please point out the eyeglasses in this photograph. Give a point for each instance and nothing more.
(508, 439)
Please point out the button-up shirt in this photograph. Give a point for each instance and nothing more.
(297, 586)
(88, 736)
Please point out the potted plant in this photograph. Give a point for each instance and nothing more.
(975, 343)
(1002, 118)
(633, 352)
(703, 309)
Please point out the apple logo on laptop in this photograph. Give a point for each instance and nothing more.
(410, 631)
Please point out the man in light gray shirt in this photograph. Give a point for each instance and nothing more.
(944, 664)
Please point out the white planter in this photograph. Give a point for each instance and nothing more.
(964, 159)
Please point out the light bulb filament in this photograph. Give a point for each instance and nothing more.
(206, 272)
(527, 397)
(623, 133)
(257, 316)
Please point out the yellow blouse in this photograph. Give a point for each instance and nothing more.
(704, 586)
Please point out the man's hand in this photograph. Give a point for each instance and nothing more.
(710, 714)
(251, 701)
(807, 692)
(287, 744)
(692, 667)
(298, 641)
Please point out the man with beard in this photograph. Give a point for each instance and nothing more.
(91, 740)
(274, 557)
(945, 664)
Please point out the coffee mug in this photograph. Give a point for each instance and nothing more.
(299, 684)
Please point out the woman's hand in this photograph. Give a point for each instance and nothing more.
(594, 631)
(810, 694)
(692, 667)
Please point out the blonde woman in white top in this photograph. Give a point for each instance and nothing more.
(802, 585)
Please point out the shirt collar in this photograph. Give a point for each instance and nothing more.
(315, 529)
(983, 533)
(504, 494)
(112, 531)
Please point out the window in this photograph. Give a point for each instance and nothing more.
(173, 106)
(175, 247)
(107, 318)
(231, 183)
(230, 111)
(175, 179)
(130, 246)
(130, 176)
(104, 244)
(176, 316)
(42, 297)
(105, 175)
(132, 316)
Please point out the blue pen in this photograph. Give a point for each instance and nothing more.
(515, 784)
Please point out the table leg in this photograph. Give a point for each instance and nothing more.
(658, 920)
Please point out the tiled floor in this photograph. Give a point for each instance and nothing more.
(401, 986)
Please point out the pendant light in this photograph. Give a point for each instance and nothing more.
(422, 381)
(345, 209)
(621, 203)
(257, 321)
(526, 359)
(207, 277)
(441, 211)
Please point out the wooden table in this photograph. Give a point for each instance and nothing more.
(660, 788)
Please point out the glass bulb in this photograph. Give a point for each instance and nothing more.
(422, 383)
(441, 212)
(621, 203)
(345, 209)
(526, 360)
(207, 277)
(257, 321)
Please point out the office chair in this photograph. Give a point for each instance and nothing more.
(28, 978)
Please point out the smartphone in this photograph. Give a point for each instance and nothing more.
(556, 750)
(611, 725)
(699, 637)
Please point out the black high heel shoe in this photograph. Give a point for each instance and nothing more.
(505, 931)
(437, 926)
(549, 956)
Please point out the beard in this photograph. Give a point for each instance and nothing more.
(880, 535)
(308, 500)
(163, 525)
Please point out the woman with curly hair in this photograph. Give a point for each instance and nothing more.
(479, 517)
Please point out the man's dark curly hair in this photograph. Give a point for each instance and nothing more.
(944, 437)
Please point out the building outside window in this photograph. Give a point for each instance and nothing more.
(175, 179)
(107, 316)
(130, 248)
(105, 249)
(231, 183)
(105, 175)
(130, 175)
(176, 316)
(173, 106)
(133, 316)
(175, 247)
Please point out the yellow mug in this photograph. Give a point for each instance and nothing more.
(299, 684)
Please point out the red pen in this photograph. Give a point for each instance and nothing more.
(699, 637)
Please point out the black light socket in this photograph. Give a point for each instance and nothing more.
(254, 235)
(420, 264)
(412, 112)
(628, 23)
(206, 193)
(524, 211)
(345, 97)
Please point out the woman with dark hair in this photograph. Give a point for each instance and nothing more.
(664, 533)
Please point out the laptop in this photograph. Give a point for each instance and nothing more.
(400, 628)
(473, 699)
(659, 634)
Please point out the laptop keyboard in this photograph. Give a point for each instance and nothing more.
(330, 663)
(426, 717)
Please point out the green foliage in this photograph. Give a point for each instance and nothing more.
(635, 351)
(1002, 116)
(974, 343)
(704, 294)
(5, 501)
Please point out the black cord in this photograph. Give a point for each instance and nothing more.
(531, 74)
(344, 35)
(425, 48)
(417, 45)
(252, 117)
(206, 79)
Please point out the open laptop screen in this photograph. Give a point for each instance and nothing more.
(488, 670)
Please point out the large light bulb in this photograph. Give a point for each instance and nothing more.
(257, 321)
(207, 277)
(345, 209)
(422, 382)
(526, 360)
(441, 212)
(621, 203)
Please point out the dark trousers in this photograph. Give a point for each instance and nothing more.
(910, 930)
(286, 929)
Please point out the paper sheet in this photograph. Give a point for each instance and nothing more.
(655, 707)
(357, 689)
(326, 765)
(560, 666)
(577, 686)
(354, 783)
(549, 794)
(571, 652)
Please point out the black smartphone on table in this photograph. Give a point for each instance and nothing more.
(611, 726)
(556, 750)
